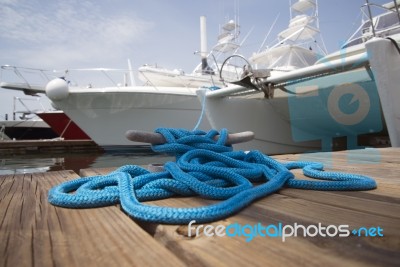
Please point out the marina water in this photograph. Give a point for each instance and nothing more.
(44, 162)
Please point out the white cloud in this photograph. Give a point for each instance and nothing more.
(67, 32)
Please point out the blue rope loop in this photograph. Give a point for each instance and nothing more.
(204, 167)
(180, 141)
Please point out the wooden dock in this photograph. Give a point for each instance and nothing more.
(46, 145)
(35, 233)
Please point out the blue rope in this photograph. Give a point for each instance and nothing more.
(203, 110)
(203, 167)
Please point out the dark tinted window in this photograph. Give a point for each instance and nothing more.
(386, 21)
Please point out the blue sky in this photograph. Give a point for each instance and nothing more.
(63, 34)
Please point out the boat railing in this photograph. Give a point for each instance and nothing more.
(24, 111)
(230, 69)
(3, 132)
(35, 80)
(25, 78)
(381, 25)
(280, 80)
(103, 77)
(387, 8)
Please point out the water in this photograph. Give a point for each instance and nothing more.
(44, 162)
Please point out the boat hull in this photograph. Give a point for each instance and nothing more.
(61, 124)
(268, 119)
(106, 116)
(315, 113)
(28, 130)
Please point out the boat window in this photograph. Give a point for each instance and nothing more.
(381, 23)
(387, 20)
(359, 40)
(366, 27)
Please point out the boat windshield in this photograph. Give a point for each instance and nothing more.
(387, 21)
(384, 25)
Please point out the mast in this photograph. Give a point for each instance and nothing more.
(205, 69)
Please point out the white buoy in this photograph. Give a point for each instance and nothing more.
(57, 89)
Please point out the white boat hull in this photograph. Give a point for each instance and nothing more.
(106, 116)
(238, 114)
(385, 63)
(319, 110)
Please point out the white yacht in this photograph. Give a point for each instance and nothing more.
(298, 46)
(105, 114)
(25, 124)
(207, 72)
(312, 108)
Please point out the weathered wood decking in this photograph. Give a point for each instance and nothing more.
(46, 145)
(35, 233)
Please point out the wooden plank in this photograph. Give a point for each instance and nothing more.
(387, 191)
(35, 233)
(10, 147)
(380, 164)
(290, 206)
(358, 203)
(266, 251)
(360, 156)
(96, 171)
(46, 143)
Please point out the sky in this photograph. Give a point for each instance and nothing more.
(67, 34)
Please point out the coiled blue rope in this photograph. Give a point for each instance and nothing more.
(203, 167)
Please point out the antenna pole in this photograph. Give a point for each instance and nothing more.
(370, 18)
